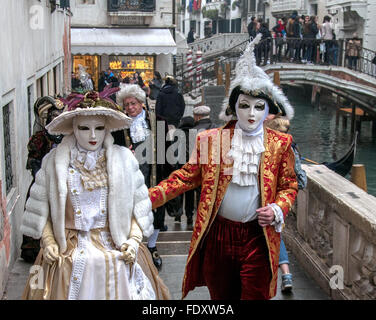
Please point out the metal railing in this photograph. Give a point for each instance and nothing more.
(131, 5)
(281, 50)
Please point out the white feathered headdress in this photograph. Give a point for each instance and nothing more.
(252, 80)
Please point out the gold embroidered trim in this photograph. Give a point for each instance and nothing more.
(163, 193)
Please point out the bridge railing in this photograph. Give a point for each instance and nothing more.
(332, 233)
(285, 50)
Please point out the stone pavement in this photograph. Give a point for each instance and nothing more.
(173, 246)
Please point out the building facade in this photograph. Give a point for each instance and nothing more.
(355, 16)
(34, 61)
(209, 17)
(123, 36)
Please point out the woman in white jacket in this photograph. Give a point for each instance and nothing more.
(90, 207)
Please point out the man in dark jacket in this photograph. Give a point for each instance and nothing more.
(252, 27)
(170, 103)
(186, 124)
(264, 45)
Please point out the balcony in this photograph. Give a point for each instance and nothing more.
(131, 6)
(345, 3)
(347, 6)
(286, 6)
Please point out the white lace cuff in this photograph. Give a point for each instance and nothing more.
(278, 216)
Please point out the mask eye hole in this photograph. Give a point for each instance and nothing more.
(243, 105)
(83, 128)
(260, 106)
(100, 128)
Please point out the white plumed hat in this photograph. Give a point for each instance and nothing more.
(252, 80)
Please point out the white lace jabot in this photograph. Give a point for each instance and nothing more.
(88, 158)
(139, 129)
(246, 151)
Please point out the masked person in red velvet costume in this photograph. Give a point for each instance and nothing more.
(248, 185)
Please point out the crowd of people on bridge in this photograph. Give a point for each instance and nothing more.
(302, 39)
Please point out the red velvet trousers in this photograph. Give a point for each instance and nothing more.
(236, 263)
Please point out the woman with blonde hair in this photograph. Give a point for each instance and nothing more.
(282, 124)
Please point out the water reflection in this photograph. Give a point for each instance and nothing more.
(318, 138)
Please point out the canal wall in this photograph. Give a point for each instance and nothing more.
(332, 233)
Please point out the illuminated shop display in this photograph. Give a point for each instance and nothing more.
(126, 66)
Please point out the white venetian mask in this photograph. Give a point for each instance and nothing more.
(250, 111)
(89, 131)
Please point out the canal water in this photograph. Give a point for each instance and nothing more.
(318, 138)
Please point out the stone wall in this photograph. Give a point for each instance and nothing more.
(332, 232)
(34, 61)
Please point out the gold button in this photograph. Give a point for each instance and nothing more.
(71, 171)
(78, 212)
(74, 191)
(103, 211)
(90, 189)
(82, 251)
(75, 278)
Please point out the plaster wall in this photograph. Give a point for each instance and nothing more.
(34, 42)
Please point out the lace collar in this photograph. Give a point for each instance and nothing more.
(88, 158)
(139, 129)
(246, 151)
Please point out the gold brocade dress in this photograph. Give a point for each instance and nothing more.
(90, 267)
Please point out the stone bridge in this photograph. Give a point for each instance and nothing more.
(355, 86)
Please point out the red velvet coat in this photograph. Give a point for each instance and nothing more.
(210, 168)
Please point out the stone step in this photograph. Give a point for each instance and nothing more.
(175, 236)
(167, 248)
(214, 90)
(173, 242)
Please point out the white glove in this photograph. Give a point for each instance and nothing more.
(50, 247)
(129, 253)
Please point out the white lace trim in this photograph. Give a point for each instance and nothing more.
(246, 152)
(140, 286)
(78, 267)
(139, 129)
(88, 158)
(90, 207)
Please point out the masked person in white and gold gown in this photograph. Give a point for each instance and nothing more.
(90, 207)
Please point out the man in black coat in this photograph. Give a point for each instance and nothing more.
(170, 103)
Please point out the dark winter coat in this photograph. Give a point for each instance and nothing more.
(204, 124)
(170, 105)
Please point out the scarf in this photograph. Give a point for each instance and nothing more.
(139, 129)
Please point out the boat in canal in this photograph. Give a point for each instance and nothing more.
(343, 165)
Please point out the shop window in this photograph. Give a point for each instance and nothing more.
(126, 66)
(7, 148)
(91, 64)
